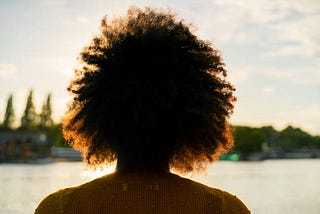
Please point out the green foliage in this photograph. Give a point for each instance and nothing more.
(316, 142)
(294, 138)
(29, 118)
(46, 113)
(248, 140)
(31, 121)
(9, 116)
(55, 135)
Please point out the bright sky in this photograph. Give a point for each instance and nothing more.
(271, 48)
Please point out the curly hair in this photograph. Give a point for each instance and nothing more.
(149, 88)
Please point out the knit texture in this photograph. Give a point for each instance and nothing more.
(141, 193)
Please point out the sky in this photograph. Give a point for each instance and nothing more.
(271, 49)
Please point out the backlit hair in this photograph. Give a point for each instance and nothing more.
(149, 88)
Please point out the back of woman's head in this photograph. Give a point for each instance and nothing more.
(149, 88)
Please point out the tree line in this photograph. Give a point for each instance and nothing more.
(266, 139)
(30, 119)
(33, 121)
(248, 140)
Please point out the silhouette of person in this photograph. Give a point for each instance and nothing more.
(150, 96)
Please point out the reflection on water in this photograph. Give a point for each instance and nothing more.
(277, 186)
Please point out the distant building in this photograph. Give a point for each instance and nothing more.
(65, 154)
(23, 145)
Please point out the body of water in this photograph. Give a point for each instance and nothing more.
(266, 187)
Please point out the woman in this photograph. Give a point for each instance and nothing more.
(150, 96)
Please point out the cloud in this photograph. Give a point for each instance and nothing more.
(268, 90)
(82, 20)
(303, 35)
(6, 69)
(253, 11)
(309, 75)
(266, 11)
(306, 76)
(290, 27)
(57, 64)
(55, 2)
(238, 75)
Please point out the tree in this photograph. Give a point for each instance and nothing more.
(9, 116)
(55, 134)
(46, 113)
(294, 138)
(271, 136)
(29, 118)
(248, 140)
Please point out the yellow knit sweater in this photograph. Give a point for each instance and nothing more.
(141, 193)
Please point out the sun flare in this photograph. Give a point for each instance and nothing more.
(93, 174)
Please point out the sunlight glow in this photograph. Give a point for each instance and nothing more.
(93, 174)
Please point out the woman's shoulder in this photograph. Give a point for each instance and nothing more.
(51, 203)
(232, 204)
(173, 187)
(229, 202)
(55, 202)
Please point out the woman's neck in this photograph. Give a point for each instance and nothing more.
(139, 166)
